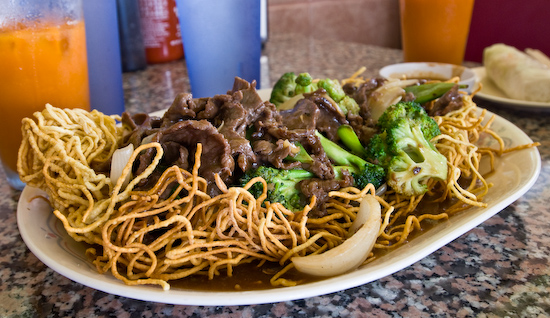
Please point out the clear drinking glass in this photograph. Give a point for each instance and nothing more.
(42, 60)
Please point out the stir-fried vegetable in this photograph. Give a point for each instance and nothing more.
(404, 149)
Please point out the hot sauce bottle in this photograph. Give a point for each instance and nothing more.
(161, 30)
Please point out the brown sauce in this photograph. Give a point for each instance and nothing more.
(245, 277)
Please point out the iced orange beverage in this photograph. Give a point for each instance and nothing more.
(435, 30)
(40, 63)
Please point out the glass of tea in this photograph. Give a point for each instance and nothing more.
(42, 60)
(435, 30)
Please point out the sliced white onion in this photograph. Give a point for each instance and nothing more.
(354, 251)
(400, 83)
(119, 161)
(386, 95)
(148, 139)
(382, 98)
(289, 104)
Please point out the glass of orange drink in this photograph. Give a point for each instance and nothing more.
(435, 30)
(42, 60)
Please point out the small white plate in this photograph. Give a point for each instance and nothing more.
(45, 236)
(490, 92)
(430, 70)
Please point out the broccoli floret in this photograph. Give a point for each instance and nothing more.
(336, 92)
(415, 113)
(283, 89)
(348, 105)
(377, 150)
(362, 171)
(304, 84)
(290, 85)
(333, 88)
(404, 149)
(281, 185)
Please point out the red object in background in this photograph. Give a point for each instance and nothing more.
(519, 23)
(161, 30)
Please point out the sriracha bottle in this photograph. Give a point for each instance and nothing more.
(161, 30)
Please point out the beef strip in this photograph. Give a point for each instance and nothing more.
(233, 127)
(137, 127)
(321, 165)
(182, 108)
(330, 116)
(304, 115)
(269, 119)
(240, 110)
(321, 188)
(452, 100)
(179, 142)
(185, 107)
(275, 153)
(364, 129)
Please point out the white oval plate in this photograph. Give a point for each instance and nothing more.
(489, 91)
(46, 238)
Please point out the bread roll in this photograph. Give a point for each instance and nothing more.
(518, 75)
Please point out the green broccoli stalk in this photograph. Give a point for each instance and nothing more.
(404, 149)
(426, 92)
(281, 185)
(336, 92)
(290, 85)
(349, 139)
(362, 171)
(301, 156)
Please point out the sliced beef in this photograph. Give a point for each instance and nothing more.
(238, 129)
(138, 126)
(363, 129)
(298, 125)
(182, 108)
(452, 100)
(321, 165)
(304, 115)
(238, 111)
(321, 188)
(276, 153)
(179, 143)
(330, 117)
(269, 119)
(185, 107)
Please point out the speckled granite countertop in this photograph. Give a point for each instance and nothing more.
(498, 269)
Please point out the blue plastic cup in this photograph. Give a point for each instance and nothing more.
(221, 39)
(104, 63)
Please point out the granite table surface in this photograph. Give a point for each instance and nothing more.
(497, 269)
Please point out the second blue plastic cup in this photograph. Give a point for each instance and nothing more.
(221, 39)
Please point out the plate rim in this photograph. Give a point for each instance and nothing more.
(107, 283)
